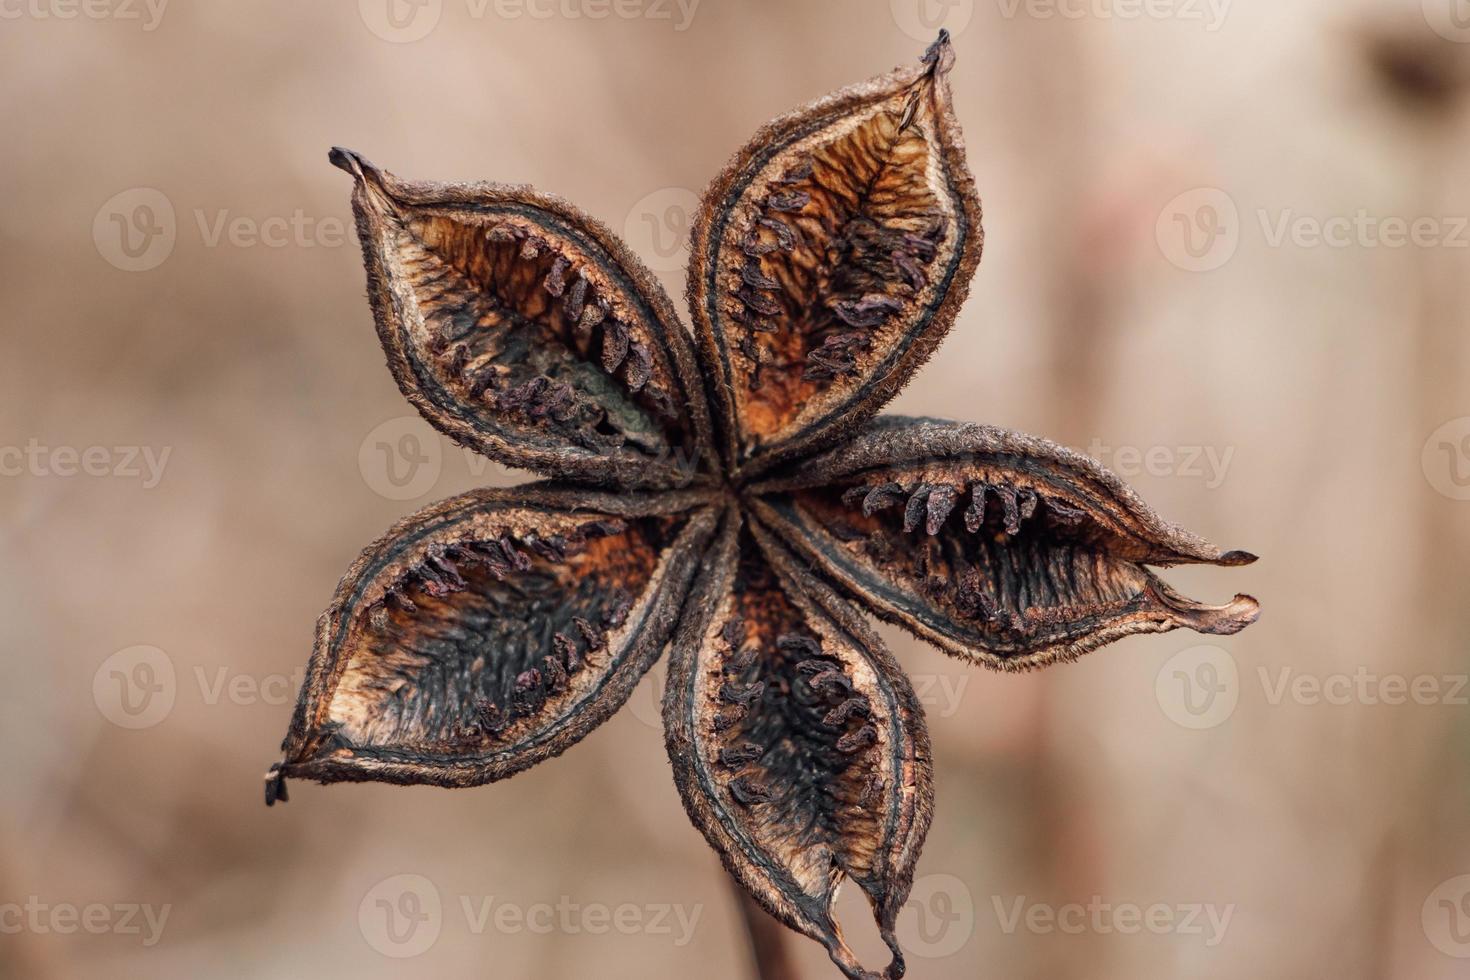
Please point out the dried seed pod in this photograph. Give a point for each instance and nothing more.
(508, 277)
(474, 683)
(493, 630)
(854, 223)
(1049, 562)
(807, 782)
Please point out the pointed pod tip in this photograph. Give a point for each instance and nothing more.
(897, 968)
(275, 786)
(1237, 558)
(846, 960)
(351, 161)
(939, 56)
(1225, 620)
(1228, 619)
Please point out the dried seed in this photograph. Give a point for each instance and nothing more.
(838, 716)
(751, 275)
(556, 281)
(914, 510)
(640, 367)
(758, 302)
(616, 612)
(567, 649)
(869, 311)
(788, 201)
(554, 673)
(747, 792)
(614, 345)
(576, 299)
(591, 635)
(728, 719)
(1010, 512)
(528, 695)
(941, 502)
(975, 513)
(736, 756)
(742, 694)
(858, 740)
(881, 496)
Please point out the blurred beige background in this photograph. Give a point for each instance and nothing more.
(1226, 252)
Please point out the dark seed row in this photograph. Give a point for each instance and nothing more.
(893, 270)
(437, 573)
(929, 505)
(826, 674)
(849, 719)
(744, 787)
(440, 573)
(567, 658)
(586, 309)
(756, 294)
(543, 398)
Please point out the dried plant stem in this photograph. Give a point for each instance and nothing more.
(767, 939)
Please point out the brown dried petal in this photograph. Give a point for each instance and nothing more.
(1049, 559)
(850, 227)
(501, 310)
(420, 677)
(806, 763)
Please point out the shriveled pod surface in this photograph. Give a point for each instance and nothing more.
(490, 631)
(730, 498)
(798, 744)
(1000, 547)
(526, 330)
(830, 259)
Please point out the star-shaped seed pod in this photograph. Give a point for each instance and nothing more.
(730, 498)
